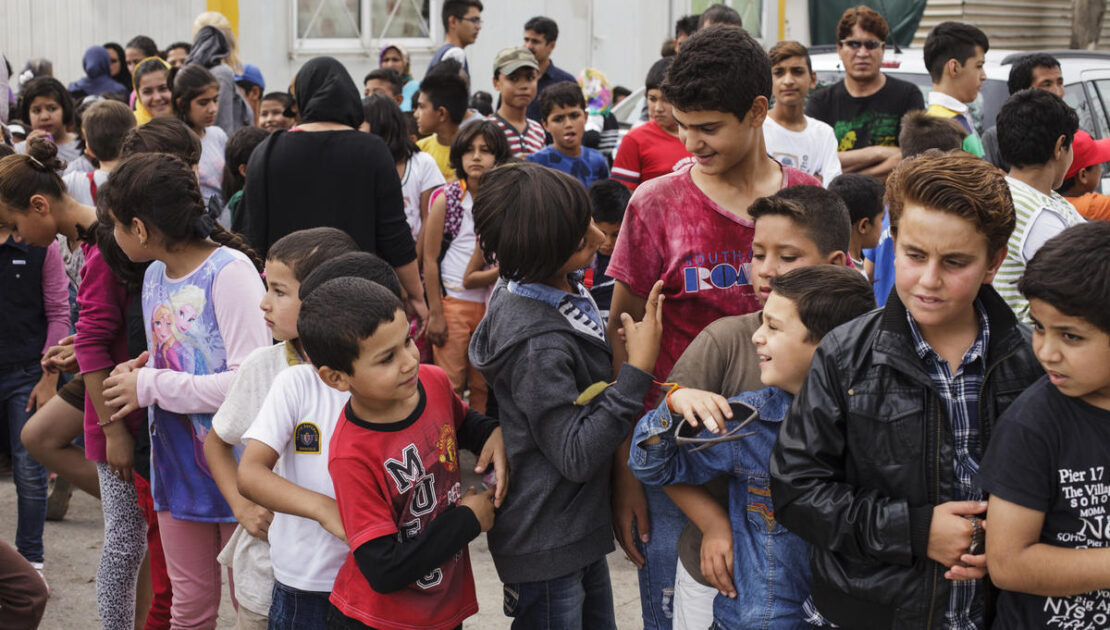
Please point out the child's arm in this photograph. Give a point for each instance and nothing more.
(436, 330)
(476, 275)
(1020, 562)
(55, 302)
(481, 435)
(221, 461)
(717, 555)
(258, 482)
(657, 460)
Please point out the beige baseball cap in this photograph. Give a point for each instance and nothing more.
(509, 60)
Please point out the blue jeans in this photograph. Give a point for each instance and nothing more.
(582, 600)
(294, 609)
(338, 621)
(660, 558)
(29, 475)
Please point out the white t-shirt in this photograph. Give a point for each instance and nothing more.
(297, 420)
(421, 174)
(458, 255)
(210, 170)
(812, 150)
(78, 187)
(249, 557)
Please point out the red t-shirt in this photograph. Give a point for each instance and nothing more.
(647, 152)
(402, 476)
(702, 252)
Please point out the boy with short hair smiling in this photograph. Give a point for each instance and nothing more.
(954, 55)
(793, 138)
(692, 229)
(875, 464)
(803, 306)
(1046, 465)
(563, 109)
(515, 73)
(394, 464)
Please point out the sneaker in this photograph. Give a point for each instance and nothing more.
(38, 567)
(57, 498)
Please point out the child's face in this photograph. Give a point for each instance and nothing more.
(792, 80)
(1074, 353)
(427, 116)
(377, 86)
(610, 231)
(203, 108)
(387, 366)
(133, 56)
(940, 263)
(478, 159)
(1090, 178)
(517, 89)
(660, 111)
(969, 77)
(782, 346)
(176, 57)
(566, 126)
(871, 232)
(393, 60)
(281, 304)
(780, 245)
(271, 116)
(46, 115)
(587, 249)
(131, 239)
(155, 95)
(33, 226)
(719, 140)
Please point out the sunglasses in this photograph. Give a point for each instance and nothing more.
(739, 410)
(855, 44)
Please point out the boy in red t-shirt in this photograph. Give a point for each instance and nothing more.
(691, 229)
(395, 467)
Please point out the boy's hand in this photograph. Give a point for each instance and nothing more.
(950, 537)
(494, 451)
(642, 338)
(254, 518)
(481, 505)
(327, 515)
(60, 358)
(713, 409)
(716, 560)
(974, 566)
(436, 330)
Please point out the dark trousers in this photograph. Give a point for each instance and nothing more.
(582, 600)
(294, 609)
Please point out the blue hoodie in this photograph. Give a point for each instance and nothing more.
(97, 79)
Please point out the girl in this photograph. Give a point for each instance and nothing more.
(152, 89)
(418, 171)
(155, 206)
(448, 245)
(117, 66)
(396, 57)
(139, 48)
(47, 106)
(196, 102)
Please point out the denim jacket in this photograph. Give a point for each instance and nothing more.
(771, 565)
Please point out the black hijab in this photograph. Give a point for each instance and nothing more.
(325, 92)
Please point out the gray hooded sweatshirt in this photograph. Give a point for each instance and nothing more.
(556, 517)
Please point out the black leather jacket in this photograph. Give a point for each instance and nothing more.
(866, 453)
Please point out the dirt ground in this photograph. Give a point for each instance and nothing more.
(73, 550)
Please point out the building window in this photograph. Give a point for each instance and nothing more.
(360, 25)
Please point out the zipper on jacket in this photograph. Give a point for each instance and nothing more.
(984, 435)
(936, 497)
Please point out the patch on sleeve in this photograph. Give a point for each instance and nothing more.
(306, 438)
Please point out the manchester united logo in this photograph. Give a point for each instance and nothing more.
(448, 451)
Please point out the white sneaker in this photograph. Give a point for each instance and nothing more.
(38, 567)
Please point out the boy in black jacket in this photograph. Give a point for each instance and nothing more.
(875, 464)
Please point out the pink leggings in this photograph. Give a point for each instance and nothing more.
(191, 548)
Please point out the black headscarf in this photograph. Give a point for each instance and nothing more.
(210, 47)
(325, 92)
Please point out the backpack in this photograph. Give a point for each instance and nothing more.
(453, 193)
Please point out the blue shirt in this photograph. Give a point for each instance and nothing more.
(550, 76)
(883, 259)
(771, 565)
(589, 167)
(578, 309)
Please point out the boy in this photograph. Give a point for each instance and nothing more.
(609, 199)
(874, 465)
(793, 138)
(1035, 70)
(103, 125)
(1083, 178)
(440, 111)
(954, 56)
(252, 86)
(803, 306)
(920, 132)
(1035, 132)
(564, 117)
(693, 230)
(541, 346)
(462, 20)
(272, 111)
(654, 148)
(1045, 468)
(384, 81)
(514, 77)
(290, 261)
(394, 464)
(863, 195)
(796, 227)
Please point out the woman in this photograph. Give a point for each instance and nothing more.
(212, 50)
(324, 172)
(396, 57)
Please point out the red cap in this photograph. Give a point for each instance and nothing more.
(1087, 152)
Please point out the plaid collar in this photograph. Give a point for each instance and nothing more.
(977, 351)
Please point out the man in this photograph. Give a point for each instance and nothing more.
(1036, 70)
(540, 34)
(462, 20)
(866, 107)
(686, 26)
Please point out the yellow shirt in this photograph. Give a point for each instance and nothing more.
(441, 153)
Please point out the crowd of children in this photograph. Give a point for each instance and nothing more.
(821, 363)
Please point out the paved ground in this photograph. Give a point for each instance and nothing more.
(73, 549)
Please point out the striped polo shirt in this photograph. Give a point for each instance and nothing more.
(522, 145)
